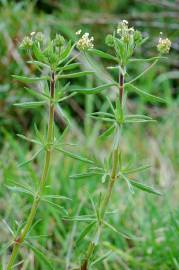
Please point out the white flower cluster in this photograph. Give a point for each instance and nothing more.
(164, 45)
(28, 41)
(123, 29)
(85, 42)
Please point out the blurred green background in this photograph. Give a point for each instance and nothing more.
(155, 221)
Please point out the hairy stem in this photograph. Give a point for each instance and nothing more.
(113, 176)
(20, 239)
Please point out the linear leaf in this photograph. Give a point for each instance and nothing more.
(125, 235)
(145, 188)
(85, 218)
(147, 59)
(106, 119)
(101, 258)
(38, 54)
(30, 80)
(107, 132)
(66, 97)
(133, 170)
(30, 104)
(36, 93)
(69, 67)
(128, 183)
(74, 75)
(84, 175)
(39, 64)
(32, 158)
(86, 230)
(138, 121)
(55, 205)
(20, 189)
(28, 139)
(95, 90)
(75, 156)
(102, 54)
(56, 197)
(43, 257)
(66, 52)
(140, 116)
(141, 92)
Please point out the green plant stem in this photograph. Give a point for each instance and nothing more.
(113, 177)
(20, 239)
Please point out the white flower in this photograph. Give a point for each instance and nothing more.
(125, 21)
(85, 42)
(32, 34)
(164, 45)
(78, 32)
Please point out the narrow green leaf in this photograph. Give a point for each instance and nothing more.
(144, 187)
(101, 258)
(95, 90)
(123, 234)
(133, 170)
(37, 93)
(85, 218)
(75, 75)
(138, 121)
(28, 139)
(42, 257)
(110, 104)
(107, 132)
(102, 54)
(69, 67)
(30, 104)
(38, 64)
(38, 54)
(20, 189)
(140, 116)
(30, 80)
(54, 196)
(106, 119)
(141, 92)
(128, 182)
(55, 205)
(66, 97)
(75, 156)
(86, 230)
(39, 135)
(147, 59)
(33, 157)
(66, 52)
(103, 114)
(84, 175)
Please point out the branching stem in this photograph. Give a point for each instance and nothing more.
(107, 196)
(50, 137)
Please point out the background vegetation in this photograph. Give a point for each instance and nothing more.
(153, 220)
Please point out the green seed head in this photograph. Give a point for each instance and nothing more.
(26, 43)
(164, 45)
(39, 37)
(109, 41)
(59, 40)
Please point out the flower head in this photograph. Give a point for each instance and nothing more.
(128, 34)
(78, 32)
(164, 45)
(59, 40)
(39, 37)
(85, 42)
(26, 43)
